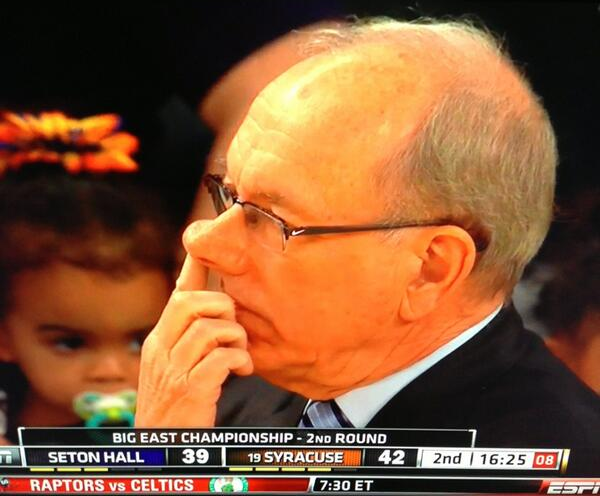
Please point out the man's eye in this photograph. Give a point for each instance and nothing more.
(253, 217)
(69, 343)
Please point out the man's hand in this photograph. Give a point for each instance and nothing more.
(189, 354)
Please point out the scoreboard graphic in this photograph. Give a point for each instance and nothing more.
(129, 461)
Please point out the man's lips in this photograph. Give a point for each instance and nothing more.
(257, 325)
(239, 306)
(253, 321)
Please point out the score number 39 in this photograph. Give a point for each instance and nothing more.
(190, 456)
(389, 457)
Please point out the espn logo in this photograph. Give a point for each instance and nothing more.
(590, 486)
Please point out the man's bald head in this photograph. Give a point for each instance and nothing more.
(364, 101)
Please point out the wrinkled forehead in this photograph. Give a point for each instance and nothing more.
(329, 120)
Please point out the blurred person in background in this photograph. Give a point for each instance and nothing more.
(568, 304)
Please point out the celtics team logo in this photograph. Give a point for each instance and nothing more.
(228, 485)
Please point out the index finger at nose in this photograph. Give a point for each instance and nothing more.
(193, 275)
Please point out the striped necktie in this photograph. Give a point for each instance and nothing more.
(324, 415)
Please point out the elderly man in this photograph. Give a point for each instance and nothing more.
(380, 201)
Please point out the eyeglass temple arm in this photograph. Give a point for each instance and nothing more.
(480, 245)
(315, 230)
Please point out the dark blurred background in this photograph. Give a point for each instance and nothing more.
(153, 62)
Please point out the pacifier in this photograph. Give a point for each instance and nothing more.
(106, 410)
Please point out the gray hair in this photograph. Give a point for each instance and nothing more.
(484, 154)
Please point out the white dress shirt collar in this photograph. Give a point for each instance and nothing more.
(362, 404)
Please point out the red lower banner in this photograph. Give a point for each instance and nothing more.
(88, 485)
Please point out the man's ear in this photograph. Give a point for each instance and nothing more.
(6, 353)
(447, 255)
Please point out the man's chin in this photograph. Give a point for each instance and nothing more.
(296, 386)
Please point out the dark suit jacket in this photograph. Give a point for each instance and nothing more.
(506, 384)
(253, 402)
(502, 382)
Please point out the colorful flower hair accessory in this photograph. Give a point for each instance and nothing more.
(89, 144)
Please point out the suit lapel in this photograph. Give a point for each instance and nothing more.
(441, 396)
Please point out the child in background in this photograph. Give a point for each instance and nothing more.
(85, 265)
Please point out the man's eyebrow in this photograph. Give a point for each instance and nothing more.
(273, 198)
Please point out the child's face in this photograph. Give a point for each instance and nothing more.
(72, 330)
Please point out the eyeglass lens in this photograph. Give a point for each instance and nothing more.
(267, 230)
(221, 196)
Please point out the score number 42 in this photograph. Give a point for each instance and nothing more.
(389, 457)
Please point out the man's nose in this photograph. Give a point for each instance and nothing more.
(219, 244)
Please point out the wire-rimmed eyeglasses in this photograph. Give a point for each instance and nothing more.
(273, 232)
